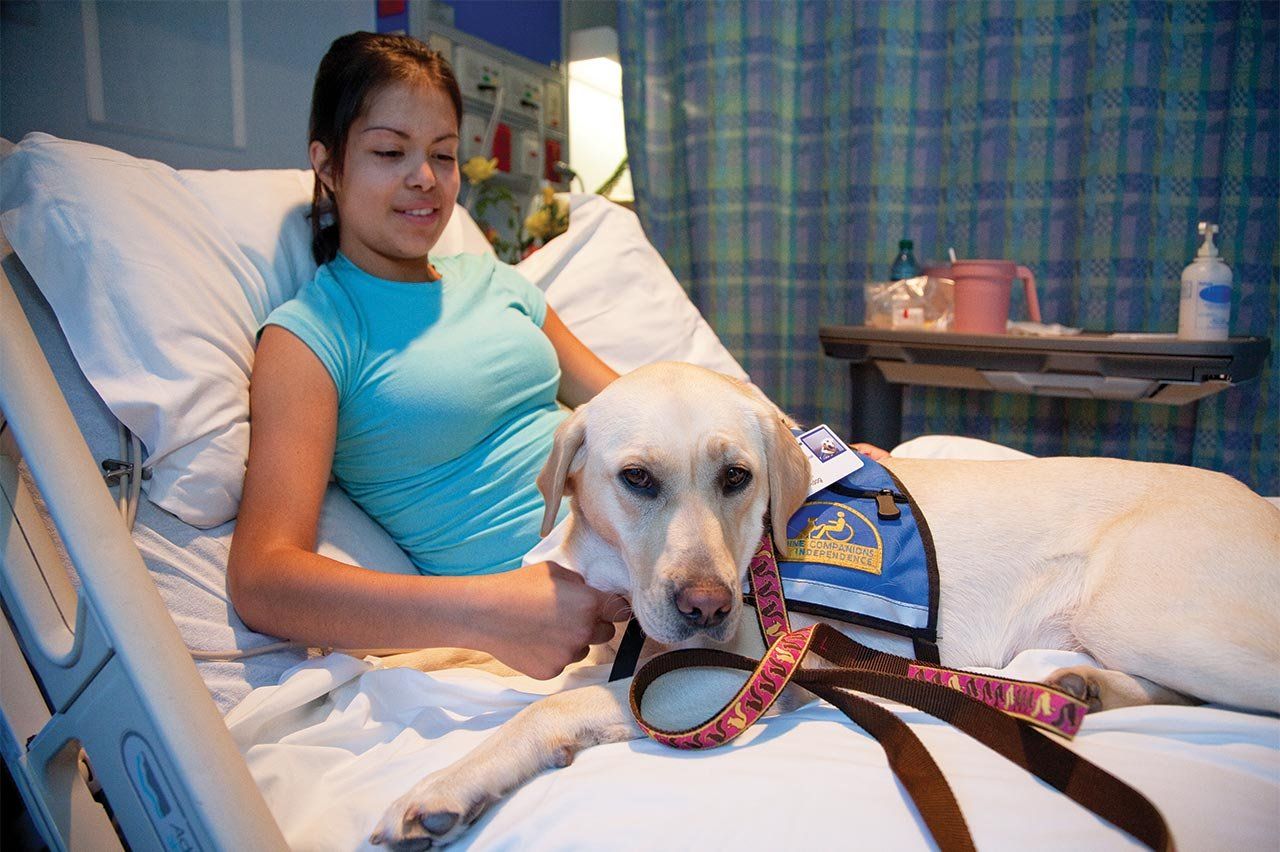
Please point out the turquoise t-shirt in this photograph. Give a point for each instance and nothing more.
(446, 404)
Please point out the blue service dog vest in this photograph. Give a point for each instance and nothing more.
(859, 551)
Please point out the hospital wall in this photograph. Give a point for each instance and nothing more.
(212, 84)
(196, 85)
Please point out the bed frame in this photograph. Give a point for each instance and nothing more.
(106, 726)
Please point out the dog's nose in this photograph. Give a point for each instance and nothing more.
(704, 604)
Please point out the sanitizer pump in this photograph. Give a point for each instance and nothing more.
(1204, 312)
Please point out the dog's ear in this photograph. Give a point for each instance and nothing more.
(788, 467)
(789, 476)
(569, 437)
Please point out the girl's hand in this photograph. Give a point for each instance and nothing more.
(546, 617)
(871, 451)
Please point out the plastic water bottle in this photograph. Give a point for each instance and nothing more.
(904, 265)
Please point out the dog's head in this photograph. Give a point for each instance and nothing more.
(673, 467)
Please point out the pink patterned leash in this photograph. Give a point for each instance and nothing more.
(1006, 715)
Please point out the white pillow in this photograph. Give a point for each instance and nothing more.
(151, 296)
(264, 212)
(160, 280)
(612, 288)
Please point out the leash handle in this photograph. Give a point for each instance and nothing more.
(768, 678)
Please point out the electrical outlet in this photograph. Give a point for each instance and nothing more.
(530, 154)
(524, 93)
(478, 75)
(553, 105)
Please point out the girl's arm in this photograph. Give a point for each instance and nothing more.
(535, 619)
(582, 374)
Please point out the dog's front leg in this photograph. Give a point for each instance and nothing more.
(546, 734)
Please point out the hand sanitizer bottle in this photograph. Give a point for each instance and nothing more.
(1204, 312)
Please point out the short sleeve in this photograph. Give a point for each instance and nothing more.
(313, 318)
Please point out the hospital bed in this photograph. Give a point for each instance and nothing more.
(131, 716)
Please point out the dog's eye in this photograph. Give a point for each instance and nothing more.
(639, 479)
(736, 478)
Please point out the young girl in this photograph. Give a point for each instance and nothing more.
(427, 386)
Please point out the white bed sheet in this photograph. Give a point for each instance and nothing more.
(339, 739)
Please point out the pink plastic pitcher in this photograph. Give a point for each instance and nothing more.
(983, 292)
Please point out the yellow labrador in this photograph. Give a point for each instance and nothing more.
(1169, 576)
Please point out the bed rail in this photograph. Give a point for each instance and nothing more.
(98, 690)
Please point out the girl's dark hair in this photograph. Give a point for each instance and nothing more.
(356, 67)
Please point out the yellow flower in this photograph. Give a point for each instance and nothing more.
(558, 210)
(479, 170)
(539, 223)
(548, 196)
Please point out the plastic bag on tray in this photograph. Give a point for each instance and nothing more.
(923, 302)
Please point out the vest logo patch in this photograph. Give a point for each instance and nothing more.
(834, 534)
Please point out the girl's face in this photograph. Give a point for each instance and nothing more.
(399, 182)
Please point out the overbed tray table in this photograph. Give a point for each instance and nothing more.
(1132, 367)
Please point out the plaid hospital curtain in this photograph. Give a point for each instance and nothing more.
(780, 150)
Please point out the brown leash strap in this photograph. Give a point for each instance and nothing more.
(1011, 731)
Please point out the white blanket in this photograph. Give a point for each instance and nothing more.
(339, 739)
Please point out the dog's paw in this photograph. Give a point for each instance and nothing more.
(1081, 683)
(431, 815)
(1107, 689)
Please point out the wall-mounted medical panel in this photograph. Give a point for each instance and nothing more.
(513, 108)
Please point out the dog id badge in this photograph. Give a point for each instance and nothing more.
(830, 459)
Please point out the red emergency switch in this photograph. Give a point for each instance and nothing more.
(502, 147)
(549, 164)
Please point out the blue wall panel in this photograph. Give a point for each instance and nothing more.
(530, 28)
